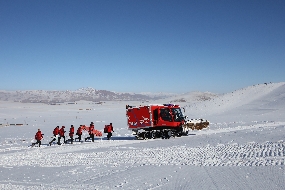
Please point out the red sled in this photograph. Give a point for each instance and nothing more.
(94, 131)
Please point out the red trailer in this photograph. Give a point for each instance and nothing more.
(155, 121)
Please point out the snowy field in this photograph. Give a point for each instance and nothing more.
(243, 148)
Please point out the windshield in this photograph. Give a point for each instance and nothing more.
(177, 114)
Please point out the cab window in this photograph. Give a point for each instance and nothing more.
(165, 114)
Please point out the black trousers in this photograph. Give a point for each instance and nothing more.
(38, 142)
(109, 135)
(54, 139)
(63, 138)
(71, 139)
(79, 138)
(90, 137)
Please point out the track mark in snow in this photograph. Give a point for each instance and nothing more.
(239, 128)
(250, 154)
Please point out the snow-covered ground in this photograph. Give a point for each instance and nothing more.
(243, 148)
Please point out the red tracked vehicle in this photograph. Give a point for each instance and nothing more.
(156, 121)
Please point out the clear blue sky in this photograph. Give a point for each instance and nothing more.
(141, 45)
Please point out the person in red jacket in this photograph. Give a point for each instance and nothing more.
(79, 133)
(71, 133)
(61, 133)
(109, 131)
(91, 134)
(38, 137)
(55, 133)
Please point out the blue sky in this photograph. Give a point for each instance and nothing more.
(141, 45)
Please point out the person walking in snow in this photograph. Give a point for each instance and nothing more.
(109, 131)
(71, 133)
(91, 133)
(79, 133)
(61, 134)
(38, 137)
(55, 133)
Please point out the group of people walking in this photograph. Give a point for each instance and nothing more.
(59, 133)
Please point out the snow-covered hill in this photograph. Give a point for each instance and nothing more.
(259, 97)
(243, 148)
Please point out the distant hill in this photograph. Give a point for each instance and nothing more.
(191, 97)
(50, 97)
(203, 101)
(91, 94)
